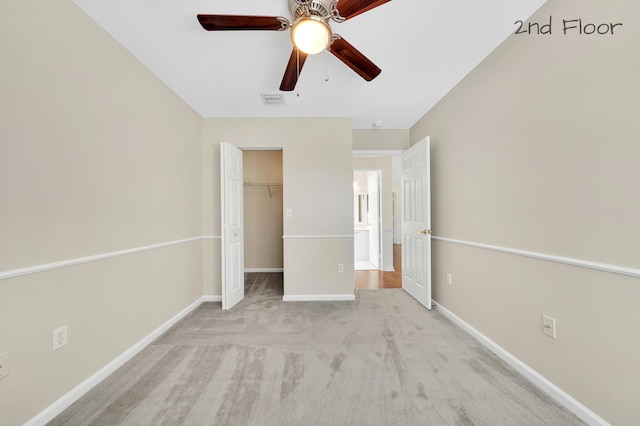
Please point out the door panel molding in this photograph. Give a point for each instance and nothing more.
(232, 225)
(416, 223)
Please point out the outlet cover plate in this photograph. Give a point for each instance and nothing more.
(5, 364)
(59, 337)
(549, 326)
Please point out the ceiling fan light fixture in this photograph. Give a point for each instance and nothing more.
(311, 35)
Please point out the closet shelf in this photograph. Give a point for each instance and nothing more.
(247, 182)
(269, 185)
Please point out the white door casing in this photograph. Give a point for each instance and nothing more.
(374, 218)
(232, 225)
(416, 222)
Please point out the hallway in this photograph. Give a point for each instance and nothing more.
(379, 279)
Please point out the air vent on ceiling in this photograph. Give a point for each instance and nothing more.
(272, 100)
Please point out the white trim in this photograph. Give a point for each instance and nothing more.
(387, 251)
(318, 297)
(377, 152)
(260, 148)
(265, 270)
(539, 380)
(212, 298)
(76, 393)
(212, 237)
(80, 260)
(369, 169)
(310, 237)
(622, 270)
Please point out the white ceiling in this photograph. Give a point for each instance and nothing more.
(424, 47)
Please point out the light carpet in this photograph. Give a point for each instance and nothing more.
(380, 360)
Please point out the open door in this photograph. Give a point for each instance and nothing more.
(232, 225)
(416, 222)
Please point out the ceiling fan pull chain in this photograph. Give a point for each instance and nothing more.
(297, 69)
(326, 69)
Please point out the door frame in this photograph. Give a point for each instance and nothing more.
(395, 154)
(389, 181)
(222, 262)
(381, 216)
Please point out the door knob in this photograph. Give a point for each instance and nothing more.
(425, 232)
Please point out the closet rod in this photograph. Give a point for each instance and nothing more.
(247, 182)
(263, 184)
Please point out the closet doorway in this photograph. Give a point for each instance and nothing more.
(263, 211)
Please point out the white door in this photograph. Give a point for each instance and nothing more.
(416, 222)
(232, 224)
(373, 183)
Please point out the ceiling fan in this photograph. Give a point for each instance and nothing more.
(310, 33)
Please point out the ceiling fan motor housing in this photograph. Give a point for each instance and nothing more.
(323, 9)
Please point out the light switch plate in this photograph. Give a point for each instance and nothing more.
(549, 326)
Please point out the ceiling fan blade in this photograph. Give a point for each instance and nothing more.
(355, 60)
(350, 8)
(294, 67)
(240, 23)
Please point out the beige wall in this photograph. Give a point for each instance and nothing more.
(96, 156)
(263, 217)
(382, 139)
(537, 149)
(318, 187)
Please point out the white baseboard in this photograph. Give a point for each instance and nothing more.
(547, 386)
(387, 250)
(318, 297)
(249, 270)
(76, 393)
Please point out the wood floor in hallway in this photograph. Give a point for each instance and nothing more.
(381, 279)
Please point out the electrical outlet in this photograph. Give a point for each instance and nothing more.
(449, 280)
(289, 212)
(549, 326)
(340, 267)
(5, 364)
(59, 337)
